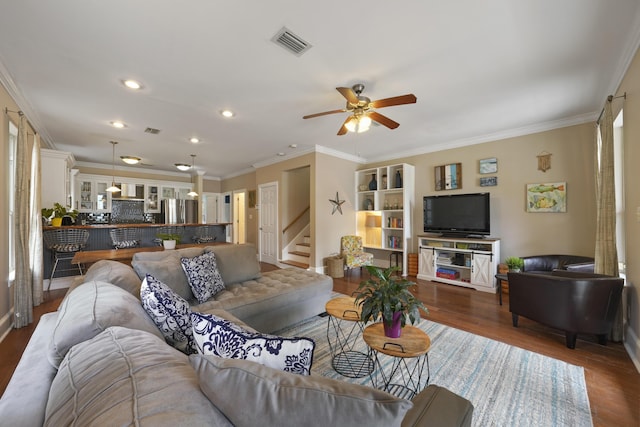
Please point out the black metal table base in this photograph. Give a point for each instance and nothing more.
(352, 364)
(346, 361)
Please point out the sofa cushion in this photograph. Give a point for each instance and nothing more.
(90, 309)
(124, 377)
(203, 275)
(113, 272)
(219, 337)
(165, 266)
(170, 312)
(274, 398)
(237, 263)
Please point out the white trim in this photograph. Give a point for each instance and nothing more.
(6, 322)
(632, 345)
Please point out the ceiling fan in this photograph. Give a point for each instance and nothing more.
(361, 108)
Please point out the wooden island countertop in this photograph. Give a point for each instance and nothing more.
(125, 255)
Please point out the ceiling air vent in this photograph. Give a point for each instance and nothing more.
(290, 41)
(152, 131)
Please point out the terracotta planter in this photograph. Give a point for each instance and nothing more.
(395, 329)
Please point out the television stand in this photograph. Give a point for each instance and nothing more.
(461, 261)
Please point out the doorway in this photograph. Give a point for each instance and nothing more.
(268, 223)
(239, 221)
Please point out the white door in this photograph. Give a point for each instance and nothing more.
(481, 270)
(426, 262)
(239, 223)
(268, 228)
(210, 208)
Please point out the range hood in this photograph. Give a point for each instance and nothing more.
(129, 191)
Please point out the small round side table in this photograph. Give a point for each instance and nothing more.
(343, 329)
(410, 355)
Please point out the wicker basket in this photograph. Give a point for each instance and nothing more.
(412, 261)
(335, 267)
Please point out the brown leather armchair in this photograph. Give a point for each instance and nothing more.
(575, 302)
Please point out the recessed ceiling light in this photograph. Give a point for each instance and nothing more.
(293, 145)
(281, 154)
(194, 140)
(117, 124)
(132, 84)
(227, 113)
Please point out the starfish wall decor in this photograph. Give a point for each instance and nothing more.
(337, 204)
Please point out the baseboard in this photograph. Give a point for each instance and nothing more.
(59, 282)
(632, 345)
(6, 324)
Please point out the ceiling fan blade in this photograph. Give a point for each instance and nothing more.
(343, 129)
(383, 120)
(396, 100)
(311, 116)
(348, 93)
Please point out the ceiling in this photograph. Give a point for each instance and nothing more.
(481, 71)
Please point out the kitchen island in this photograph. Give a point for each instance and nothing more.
(99, 239)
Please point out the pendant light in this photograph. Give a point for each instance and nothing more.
(192, 193)
(113, 188)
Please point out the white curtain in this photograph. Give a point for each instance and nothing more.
(27, 227)
(606, 256)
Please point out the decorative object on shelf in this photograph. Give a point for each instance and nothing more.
(337, 204)
(489, 165)
(385, 295)
(363, 187)
(367, 204)
(547, 197)
(59, 212)
(384, 182)
(448, 177)
(514, 263)
(544, 161)
(398, 179)
(373, 184)
(489, 181)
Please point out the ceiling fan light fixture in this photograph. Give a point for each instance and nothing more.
(183, 166)
(131, 160)
(358, 124)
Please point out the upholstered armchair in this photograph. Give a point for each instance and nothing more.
(575, 302)
(353, 254)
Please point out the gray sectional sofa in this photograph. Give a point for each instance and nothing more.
(100, 359)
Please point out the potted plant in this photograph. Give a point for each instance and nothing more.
(514, 263)
(388, 295)
(169, 241)
(58, 211)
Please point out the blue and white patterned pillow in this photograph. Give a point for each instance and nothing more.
(170, 312)
(203, 275)
(217, 336)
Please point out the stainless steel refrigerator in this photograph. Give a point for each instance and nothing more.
(179, 211)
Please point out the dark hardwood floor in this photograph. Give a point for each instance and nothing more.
(613, 383)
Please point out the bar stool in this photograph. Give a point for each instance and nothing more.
(123, 238)
(204, 234)
(63, 244)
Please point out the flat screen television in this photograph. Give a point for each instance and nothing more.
(458, 214)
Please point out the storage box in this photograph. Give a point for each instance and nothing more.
(412, 262)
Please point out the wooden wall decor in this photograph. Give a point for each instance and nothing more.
(448, 177)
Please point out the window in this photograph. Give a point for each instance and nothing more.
(618, 168)
(13, 143)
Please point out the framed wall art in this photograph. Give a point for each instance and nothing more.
(489, 181)
(448, 177)
(488, 165)
(547, 197)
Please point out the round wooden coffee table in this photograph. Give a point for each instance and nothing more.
(343, 329)
(410, 355)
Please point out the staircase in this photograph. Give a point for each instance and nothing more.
(299, 256)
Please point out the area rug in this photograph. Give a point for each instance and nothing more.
(507, 385)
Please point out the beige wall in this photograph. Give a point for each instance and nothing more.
(524, 233)
(211, 186)
(631, 136)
